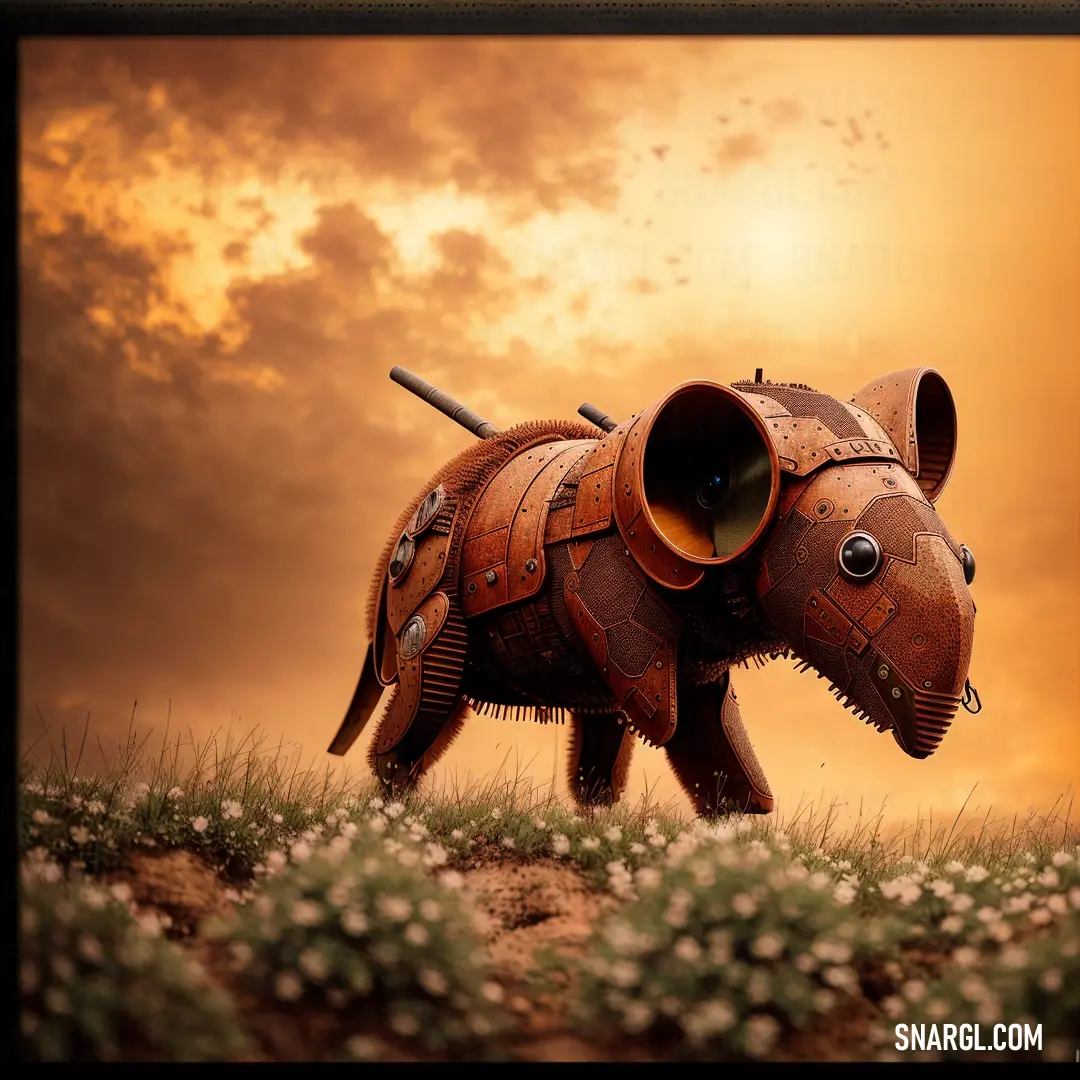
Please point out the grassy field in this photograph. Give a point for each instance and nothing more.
(222, 902)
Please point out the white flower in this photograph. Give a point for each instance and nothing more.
(313, 964)
(1000, 931)
(508, 842)
(288, 986)
(492, 992)
(961, 902)
(89, 948)
(977, 873)
(300, 852)
(965, 956)
(1014, 956)
(434, 982)
(430, 910)
(395, 908)
(1040, 917)
(914, 990)
(199, 823)
(404, 1024)
(688, 950)
(637, 1016)
(277, 819)
(842, 977)
(95, 806)
(590, 843)
(937, 1009)
(416, 934)
(613, 835)
(1051, 980)
(42, 817)
(845, 893)
(761, 1035)
(744, 905)
(1060, 858)
(142, 788)
(638, 848)
(987, 914)
(457, 834)
(353, 922)
(1074, 897)
(80, 834)
(973, 988)
(451, 879)
(624, 974)
(768, 946)
(394, 810)
(306, 913)
(1057, 904)
(560, 844)
(942, 888)
(952, 924)
(1049, 878)
(954, 866)
(496, 814)
(121, 891)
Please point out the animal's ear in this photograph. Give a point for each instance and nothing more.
(916, 409)
(697, 472)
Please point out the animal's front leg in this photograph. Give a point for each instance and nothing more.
(711, 755)
(401, 768)
(600, 750)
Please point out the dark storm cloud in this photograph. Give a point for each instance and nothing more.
(520, 118)
(179, 523)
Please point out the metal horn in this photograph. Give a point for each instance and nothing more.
(597, 417)
(447, 405)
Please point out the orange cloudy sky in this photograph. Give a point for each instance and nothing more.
(227, 243)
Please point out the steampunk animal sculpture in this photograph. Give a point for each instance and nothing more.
(614, 573)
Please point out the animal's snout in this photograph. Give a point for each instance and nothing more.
(933, 715)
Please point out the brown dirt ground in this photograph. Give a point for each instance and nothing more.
(542, 905)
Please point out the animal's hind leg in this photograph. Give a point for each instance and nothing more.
(401, 768)
(711, 756)
(600, 750)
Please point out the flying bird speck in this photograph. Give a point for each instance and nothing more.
(660, 152)
(682, 281)
(826, 122)
(723, 119)
(746, 100)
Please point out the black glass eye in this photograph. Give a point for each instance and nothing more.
(712, 490)
(859, 557)
(969, 563)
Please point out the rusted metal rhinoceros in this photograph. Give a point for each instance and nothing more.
(614, 573)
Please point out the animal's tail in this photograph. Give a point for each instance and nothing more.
(365, 699)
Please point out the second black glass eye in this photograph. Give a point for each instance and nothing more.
(969, 563)
(859, 557)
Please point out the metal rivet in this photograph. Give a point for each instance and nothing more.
(927, 683)
(491, 577)
(883, 672)
(472, 586)
(530, 565)
(896, 691)
(659, 664)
